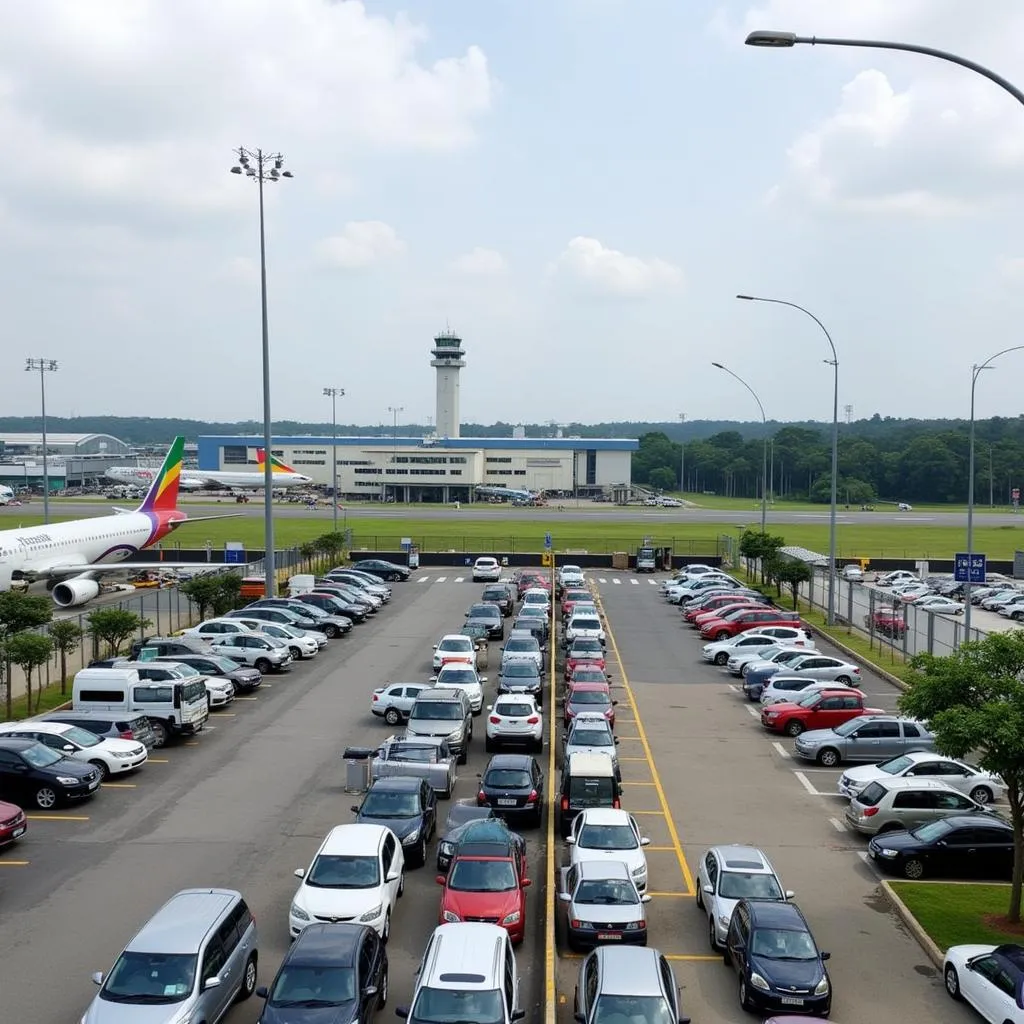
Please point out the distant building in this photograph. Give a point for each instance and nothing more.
(62, 444)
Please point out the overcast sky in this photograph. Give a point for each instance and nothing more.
(578, 187)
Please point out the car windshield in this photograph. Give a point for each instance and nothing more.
(460, 814)
(739, 885)
(485, 611)
(520, 670)
(580, 623)
(82, 737)
(456, 645)
(607, 837)
(39, 756)
(606, 891)
(482, 876)
(588, 675)
(848, 728)
(533, 611)
(513, 710)
(343, 871)
(183, 671)
(585, 646)
(386, 803)
(508, 778)
(463, 676)
(783, 944)
(523, 644)
(454, 1006)
(810, 700)
(932, 832)
(591, 738)
(298, 985)
(223, 664)
(436, 711)
(649, 1009)
(590, 792)
(895, 765)
(412, 754)
(589, 697)
(150, 978)
(785, 657)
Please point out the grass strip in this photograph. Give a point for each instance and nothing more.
(955, 913)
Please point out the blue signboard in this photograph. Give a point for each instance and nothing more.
(547, 541)
(969, 568)
(234, 557)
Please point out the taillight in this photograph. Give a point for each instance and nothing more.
(375, 698)
(532, 720)
(565, 803)
(481, 797)
(127, 735)
(532, 798)
(494, 720)
(616, 804)
(869, 812)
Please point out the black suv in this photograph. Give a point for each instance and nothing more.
(501, 595)
(383, 570)
(489, 616)
(33, 773)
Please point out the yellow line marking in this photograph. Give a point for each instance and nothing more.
(637, 783)
(117, 785)
(644, 759)
(57, 817)
(158, 760)
(224, 714)
(14, 863)
(621, 737)
(549, 900)
(672, 831)
(247, 698)
(191, 743)
(661, 814)
(675, 895)
(697, 958)
(660, 849)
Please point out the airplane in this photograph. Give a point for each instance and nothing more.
(199, 479)
(511, 493)
(70, 556)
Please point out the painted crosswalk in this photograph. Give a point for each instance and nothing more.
(604, 580)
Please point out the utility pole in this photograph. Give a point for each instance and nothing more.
(334, 394)
(395, 410)
(682, 458)
(44, 366)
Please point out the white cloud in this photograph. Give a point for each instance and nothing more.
(1012, 269)
(613, 272)
(362, 243)
(480, 262)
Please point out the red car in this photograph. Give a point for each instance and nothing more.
(721, 611)
(717, 601)
(571, 597)
(584, 651)
(823, 709)
(12, 823)
(747, 618)
(487, 886)
(530, 581)
(588, 672)
(592, 698)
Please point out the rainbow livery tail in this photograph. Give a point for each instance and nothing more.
(163, 491)
(275, 462)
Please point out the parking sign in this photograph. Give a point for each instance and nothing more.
(969, 568)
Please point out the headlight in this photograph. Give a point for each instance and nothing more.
(372, 913)
(822, 987)
(121, 756)
(758, 982)
(298, 913)
(66, 780)
(887, 852)
(512, 918)
(454, 735)
(411, 837)
(450, 917)
(639, 872)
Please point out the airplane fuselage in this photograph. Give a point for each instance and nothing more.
(194, 480)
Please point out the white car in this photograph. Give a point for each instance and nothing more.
(980, 975)
(601, 833)
(583, 626)
(255, 649)
(454, 648)
(784, 688)
(211, 629)
(981, 786)
(937, 605)
(728, 874)
(890, 579)
(514, 719)
(718, 652)
(220, 691)
(109, 756)
(302, 643)
(357, 875)
(854, 573)
(486, 570)
(571, 576)
(458, 675)
(740, 663)
(904, 507)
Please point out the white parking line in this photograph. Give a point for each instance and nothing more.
(735, 689)
(636, 583)
(441, 579)
(653, 583)
(837, 825)
(460, 579)
(753, 712)
(602, 580)
(423, 579)
(617, 582)
(782, 752)
(806, 783)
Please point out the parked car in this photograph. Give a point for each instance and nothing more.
(893, 805)
(489, 616)
(823, 709)
(394, 701)
(107, 756)
(13, 823)
(988, 978)
(522, 677)
(242, 678)
(263, 653)
(33, 774)
(461, 814)
(422, 757)
(718, 652)
(127, 726)
(302, 643)
(502, 595)
(382, 569)
(785, 688)
(590, 733)
(407, 805)
(960, 846)
(609, 834)
(817, 666)
(588, 697)
(522, 645)
(513, 785)
(630, 983)
(853, 573)
(981, 786)
(514, 720)
(451, 648)
(464, 678)
(867, 738)
(748, 618)
(603, 904)
(584, 650)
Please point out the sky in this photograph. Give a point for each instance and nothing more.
(579, 188)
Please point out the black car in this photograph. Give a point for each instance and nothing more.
(460, 814)
(244, 679)
(347, 595)
(536, 625)
(489, 616)
(335, 606)
(513, 785)
(485, 837)
(382, 570)
(280, 610)
(960, 846)
(500, 594)
(332, 974)
(520, 677)
(780, 967)
(31, 773)
(407, 806)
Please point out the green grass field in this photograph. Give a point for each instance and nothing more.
(462, 532)
(956, 913)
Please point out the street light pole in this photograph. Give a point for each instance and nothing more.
(334, 394)
(682, 461)
(975, 373)
(44, 366)
(764, 457)
(395, 410)
(264, 168)
(834, 363)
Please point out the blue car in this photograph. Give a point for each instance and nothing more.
(756, 680)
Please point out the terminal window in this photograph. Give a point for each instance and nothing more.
(507, 458)
(236, 455)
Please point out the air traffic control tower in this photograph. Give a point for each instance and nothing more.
(448, 361)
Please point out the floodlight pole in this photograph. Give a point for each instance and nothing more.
(334, 394)
(44, 366)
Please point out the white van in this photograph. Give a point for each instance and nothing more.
(174, 707)
(303, 583)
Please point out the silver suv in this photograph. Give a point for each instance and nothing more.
(194, 958)
(446, 714)
(591, 734)
(898, 804)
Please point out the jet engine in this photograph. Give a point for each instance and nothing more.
(76, 591)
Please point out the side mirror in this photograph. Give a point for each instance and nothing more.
(614, 702)
(355, 808)
(570, 840)
(490, 707)
(645, 841)
(370, 990)
(393, 875)
(213, 982)
(483, 679)
(263, 991)
(433, 679)
(478, 775)
(790, 894)
(616, 739)
(299, 872)
(439, 879)
(565, 897)
(434, 648)
(826, 956)
(402, 1011)
(518, 1014)
(97, 978)
(579, 1018)
(68, 748)
(709, 890)
(526, 883)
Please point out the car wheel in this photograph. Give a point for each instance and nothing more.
(421, 851)
(745, 1002)
(46, 798)
(385, 933)
(721, 658)
(332, 631)
(160, 733)
(392, 716)
(845, 680)
(952, 980)
(263, 665)
(794, 728)
(699, 896)
(295, 652)
(828, 757)
(723, 635)
(913, 868)
(248, 979)
(401, 885)
(384, 989)
(104, 771)
(981, 795)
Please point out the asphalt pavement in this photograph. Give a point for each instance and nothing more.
(701, 771)
(242, 805)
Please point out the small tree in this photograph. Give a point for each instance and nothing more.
(28, 650)
(201, 592)
(19, 612)
(330, 545)
(662, 478)
(66, 635)
(113, 626)
(791, 573)
(973, 701)
(756, 546)
(309, 551)
(226, 597)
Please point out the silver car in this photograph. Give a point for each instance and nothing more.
(822, 668)
(602, 905)
(522, 645)
(892, 805)
(728, 874)
(867, 738)
(590, 733)
(626, 983)
(740, 664)
(981, 786)
(394, 701)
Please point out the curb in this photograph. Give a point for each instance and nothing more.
(856, 656)
(903, 913)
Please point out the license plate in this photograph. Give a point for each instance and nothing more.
(608, 936)
(502, 802)
(93, 785)
(791, 1001)
(18, 832)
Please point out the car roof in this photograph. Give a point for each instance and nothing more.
(629, 970)
(398, 783)
(605, 815)
(590, 718)
(455, 636)
(899, 782)
(183, 921)
(16, 743)
(510, 761)
(321, 943)
(473, 948)
(770, 914)
(736, 857)
(35, 725)
(591, 870)
(977, 821)
(353, 838)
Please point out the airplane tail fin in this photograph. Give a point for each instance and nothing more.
(163, 492)
(275, 462)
